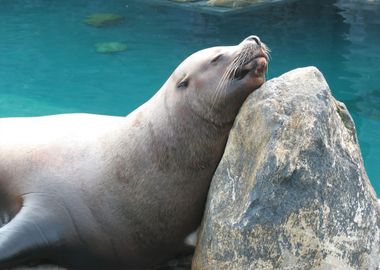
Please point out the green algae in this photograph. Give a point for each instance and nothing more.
(103, 19)
(110, 47)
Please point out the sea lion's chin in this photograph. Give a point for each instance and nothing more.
(255, 74)
(261, 66)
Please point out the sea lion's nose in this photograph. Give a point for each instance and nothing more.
(254, 38)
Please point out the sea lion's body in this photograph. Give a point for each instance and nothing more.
(103, 203)
(101, 192)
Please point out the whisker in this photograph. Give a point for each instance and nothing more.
(216, 93)
(223, 83)
(221, 86)
(240, 60)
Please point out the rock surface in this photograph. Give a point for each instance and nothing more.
(291, 191)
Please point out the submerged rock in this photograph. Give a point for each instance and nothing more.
(233, 3)
(291, 191)
(184, 1)
(103, 19)
(110, 47)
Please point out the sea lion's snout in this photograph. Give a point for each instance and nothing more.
(252, 58)
(253, 38)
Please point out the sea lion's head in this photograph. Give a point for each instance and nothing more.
(213, 83)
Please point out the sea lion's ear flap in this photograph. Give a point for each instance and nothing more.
(216, 59)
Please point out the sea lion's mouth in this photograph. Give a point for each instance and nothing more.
(256, 66)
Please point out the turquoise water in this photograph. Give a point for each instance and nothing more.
(48, 62)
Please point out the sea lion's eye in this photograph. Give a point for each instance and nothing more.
(183, 84)
(216, 59)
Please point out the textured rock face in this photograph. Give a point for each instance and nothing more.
(291, 191)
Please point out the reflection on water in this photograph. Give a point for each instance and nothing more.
(367, 105)
(361, 57)
(49, 64)
(360, 77)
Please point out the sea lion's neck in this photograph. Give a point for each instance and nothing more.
(166, 126)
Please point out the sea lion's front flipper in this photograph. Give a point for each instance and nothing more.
(33, 234)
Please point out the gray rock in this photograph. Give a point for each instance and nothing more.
(291, 191)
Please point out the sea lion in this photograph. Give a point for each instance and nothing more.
(102, 192)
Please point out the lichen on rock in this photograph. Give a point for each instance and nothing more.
(291, 191)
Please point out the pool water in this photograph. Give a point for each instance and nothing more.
(48, 62)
